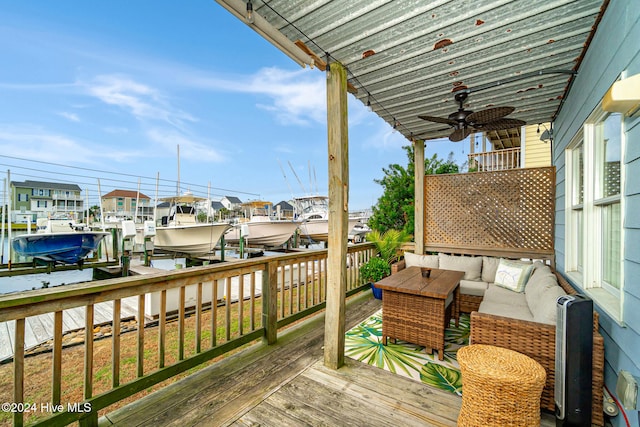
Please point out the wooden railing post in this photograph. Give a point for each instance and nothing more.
(270, 303)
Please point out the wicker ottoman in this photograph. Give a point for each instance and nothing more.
(500, 387)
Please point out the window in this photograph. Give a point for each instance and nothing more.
(22, 197)
(594, 232)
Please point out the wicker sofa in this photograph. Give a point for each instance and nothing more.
(505, 318)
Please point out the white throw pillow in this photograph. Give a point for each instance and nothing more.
(513, 275)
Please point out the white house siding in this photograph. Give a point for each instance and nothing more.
(614, 48)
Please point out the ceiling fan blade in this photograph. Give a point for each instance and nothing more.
(438, 120)
(459, 134)
(489, 115)
(500, 124)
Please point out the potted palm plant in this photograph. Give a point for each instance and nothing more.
(388, 246)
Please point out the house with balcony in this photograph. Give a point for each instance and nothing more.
(523, 147)
(127, 204)
(31, 200)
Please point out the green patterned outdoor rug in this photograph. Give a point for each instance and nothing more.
(364, 343)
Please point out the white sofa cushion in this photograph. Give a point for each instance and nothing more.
(503, 302)
(544, 309)
(499, 295)
(473, 287)
(470, 265)
(542, 292)
(417, 260)
(505, 310)
(513, 275)
(489, 268)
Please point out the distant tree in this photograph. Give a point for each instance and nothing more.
(94, 213)
(395, 208)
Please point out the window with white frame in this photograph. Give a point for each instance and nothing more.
(594, 232)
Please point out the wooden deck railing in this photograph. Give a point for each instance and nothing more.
(508, 158)
(272, 292)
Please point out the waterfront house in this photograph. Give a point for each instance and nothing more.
(31, 200)
(127, 204)
(232, 203)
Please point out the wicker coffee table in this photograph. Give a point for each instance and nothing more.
(417, 309)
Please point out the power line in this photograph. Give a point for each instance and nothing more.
(197, 188)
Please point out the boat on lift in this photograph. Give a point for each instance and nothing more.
(262, 230)
(313, 212)
(58, 240)
(181, 232)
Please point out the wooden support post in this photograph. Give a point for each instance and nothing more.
(270, 303)
(338, 146)
(418, 206)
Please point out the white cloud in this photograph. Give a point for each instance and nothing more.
(142, 101)
(42, 145)
(168, 140)
(296, 97)
(70, 116)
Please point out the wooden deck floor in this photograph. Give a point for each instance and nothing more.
(288, 385)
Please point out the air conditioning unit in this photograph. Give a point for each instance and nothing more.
(574, 360)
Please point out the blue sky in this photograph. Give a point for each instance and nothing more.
(109, 90)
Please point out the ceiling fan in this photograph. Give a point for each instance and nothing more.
(464, 121)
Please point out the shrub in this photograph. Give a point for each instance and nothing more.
(374, 270)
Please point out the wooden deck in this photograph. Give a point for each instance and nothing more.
(287, 384)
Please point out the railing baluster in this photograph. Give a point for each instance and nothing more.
(198, 317)
(227, 313)
(306, 284)
(281, 294)
(88, 352)
(241, 304)
(300, 295)
(162, 328)
(214, 313)
(56, 374)
(291, 267)
(140, 335)
(115, 343)
(18, 371)
(252, 308)
(181, 311)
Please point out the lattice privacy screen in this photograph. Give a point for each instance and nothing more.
(511, 209)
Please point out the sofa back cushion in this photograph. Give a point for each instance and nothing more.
(513, 275)
(417, 260)
(470, 265)
(542, 292)
(489, 268)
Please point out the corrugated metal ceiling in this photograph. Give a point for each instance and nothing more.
(408, 57)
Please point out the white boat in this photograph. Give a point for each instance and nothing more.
(262, 230)
(180, 231)
(313, 212)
